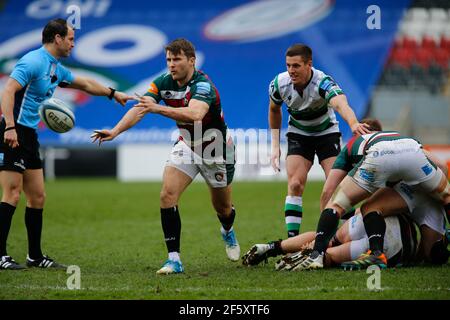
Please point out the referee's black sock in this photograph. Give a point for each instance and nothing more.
(6, 214)
(326, 228)
(33, 222)
(375, 228)
(171, 225)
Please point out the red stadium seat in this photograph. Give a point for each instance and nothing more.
(445, 44)
(442, 57)
(409, 43)
(402, 57)
(423, 57)
(428, 43)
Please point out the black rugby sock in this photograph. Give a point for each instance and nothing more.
(375, 228)
(6, 214)
(33, 222)
(171, 225)
(326, 229)
(227, 222)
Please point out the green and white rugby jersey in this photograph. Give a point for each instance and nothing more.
(199, 87)
(357, 147)
(309, 112)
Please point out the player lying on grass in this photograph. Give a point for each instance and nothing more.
(349, 243)
(427, 212)
(351, 240)
(365, 165)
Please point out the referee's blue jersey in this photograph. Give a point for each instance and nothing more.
(38, 72)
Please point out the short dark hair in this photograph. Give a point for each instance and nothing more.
(374, 124)
(301, 50)
(180, 45)
(52, 28)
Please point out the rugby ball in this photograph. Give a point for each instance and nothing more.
(56, 115)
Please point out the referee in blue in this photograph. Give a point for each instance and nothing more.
(34, 79)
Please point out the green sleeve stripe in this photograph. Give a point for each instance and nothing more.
(334, 93)
(276, 85)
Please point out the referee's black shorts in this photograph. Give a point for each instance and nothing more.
(326, 146)
(25, 156)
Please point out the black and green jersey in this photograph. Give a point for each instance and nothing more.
(355, 150)
(200, 87)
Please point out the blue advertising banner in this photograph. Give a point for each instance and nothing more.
(240, 45)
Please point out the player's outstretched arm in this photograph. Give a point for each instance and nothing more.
(133, 116)
(340, 104)
(96, 89)
(7, 106)
(195, 111)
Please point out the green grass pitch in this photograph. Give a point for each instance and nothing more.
(112, 231)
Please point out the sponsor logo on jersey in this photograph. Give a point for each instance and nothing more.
(353, 221)
(203, 88)
(367, 175)
(20, 164)
(427, 169)
(219, 176)
(2, 156)
(153, 88)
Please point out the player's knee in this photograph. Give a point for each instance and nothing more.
(296, 187)
(168, 198)
(368, 207)
(11, 195)
(37, 200)
(222, 209)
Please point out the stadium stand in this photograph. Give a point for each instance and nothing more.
(413, 93)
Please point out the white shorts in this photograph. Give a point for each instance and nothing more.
(360, 243)
(424, 209)
(216, 172)
(390, 161)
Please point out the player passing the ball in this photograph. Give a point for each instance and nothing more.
(34, 79)
(203, 146)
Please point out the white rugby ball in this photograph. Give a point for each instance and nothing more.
(56, 115)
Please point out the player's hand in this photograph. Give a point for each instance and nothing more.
(147, 104)
(360, 128)
(122, 98)
(10, 138)
(103, 135)
(275, 160)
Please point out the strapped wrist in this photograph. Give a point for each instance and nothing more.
(111, 95)
(10, 128)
